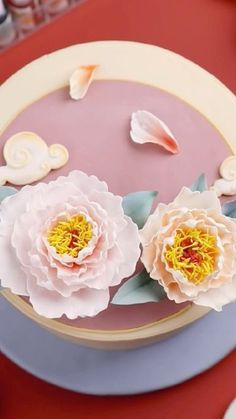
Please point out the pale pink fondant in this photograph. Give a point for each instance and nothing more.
(192, 210)
(60, 284)
(58, 118)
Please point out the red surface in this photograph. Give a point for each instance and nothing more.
(204, 397)
(201, 30)
(205, 32)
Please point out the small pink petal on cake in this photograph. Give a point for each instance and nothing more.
(147, 128)
(81, 80)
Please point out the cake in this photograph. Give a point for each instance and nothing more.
(97, 151)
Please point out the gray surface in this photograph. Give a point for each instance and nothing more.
(70, 366)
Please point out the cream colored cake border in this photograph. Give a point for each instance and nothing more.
(119, 60)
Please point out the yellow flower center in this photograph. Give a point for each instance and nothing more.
(193, 253)
(71, 236)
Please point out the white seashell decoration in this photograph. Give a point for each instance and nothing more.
(231, 411)
(226, 185)
(80, 81)
(29, 159)
(147, 128)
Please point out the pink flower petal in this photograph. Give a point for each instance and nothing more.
(17, 204)
(201, 200)
(147, 128)
(216, 298)
(85, 302)
(86, 184)
(131, 252)
(81, 80)
(11, 274)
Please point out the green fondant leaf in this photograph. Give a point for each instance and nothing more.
(137, 205)
(200, 184)
(6, 191)
(138, 290)
(229, 209)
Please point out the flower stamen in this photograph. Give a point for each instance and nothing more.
(71, 236)
(193, 253)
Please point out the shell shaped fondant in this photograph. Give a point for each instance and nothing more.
(28, 159)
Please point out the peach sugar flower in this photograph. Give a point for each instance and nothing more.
(189, 247)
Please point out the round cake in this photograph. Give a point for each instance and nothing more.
(95, 130)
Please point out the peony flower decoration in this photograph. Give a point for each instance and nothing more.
(64, 244)
(189, 249)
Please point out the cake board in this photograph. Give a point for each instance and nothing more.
(100, 372)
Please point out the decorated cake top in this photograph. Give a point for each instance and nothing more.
(67, 242)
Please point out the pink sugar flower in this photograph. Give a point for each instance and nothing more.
(63, 244)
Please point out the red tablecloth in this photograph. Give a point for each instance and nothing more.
(205, 32)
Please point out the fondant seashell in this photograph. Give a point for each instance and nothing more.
(226, 185)
(231, 411)
(147, 128)
(29, 159)
(81, 80)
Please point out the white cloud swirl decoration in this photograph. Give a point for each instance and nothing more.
(28, 159)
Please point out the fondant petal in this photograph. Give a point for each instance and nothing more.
(11, 274)
(130, 253)
(15, 205)
(200, 200)
(86, 184)
(216, 298)
(85, 302)
(80, 81)
(147, 128)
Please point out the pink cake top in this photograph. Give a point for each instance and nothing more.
(96, 133)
